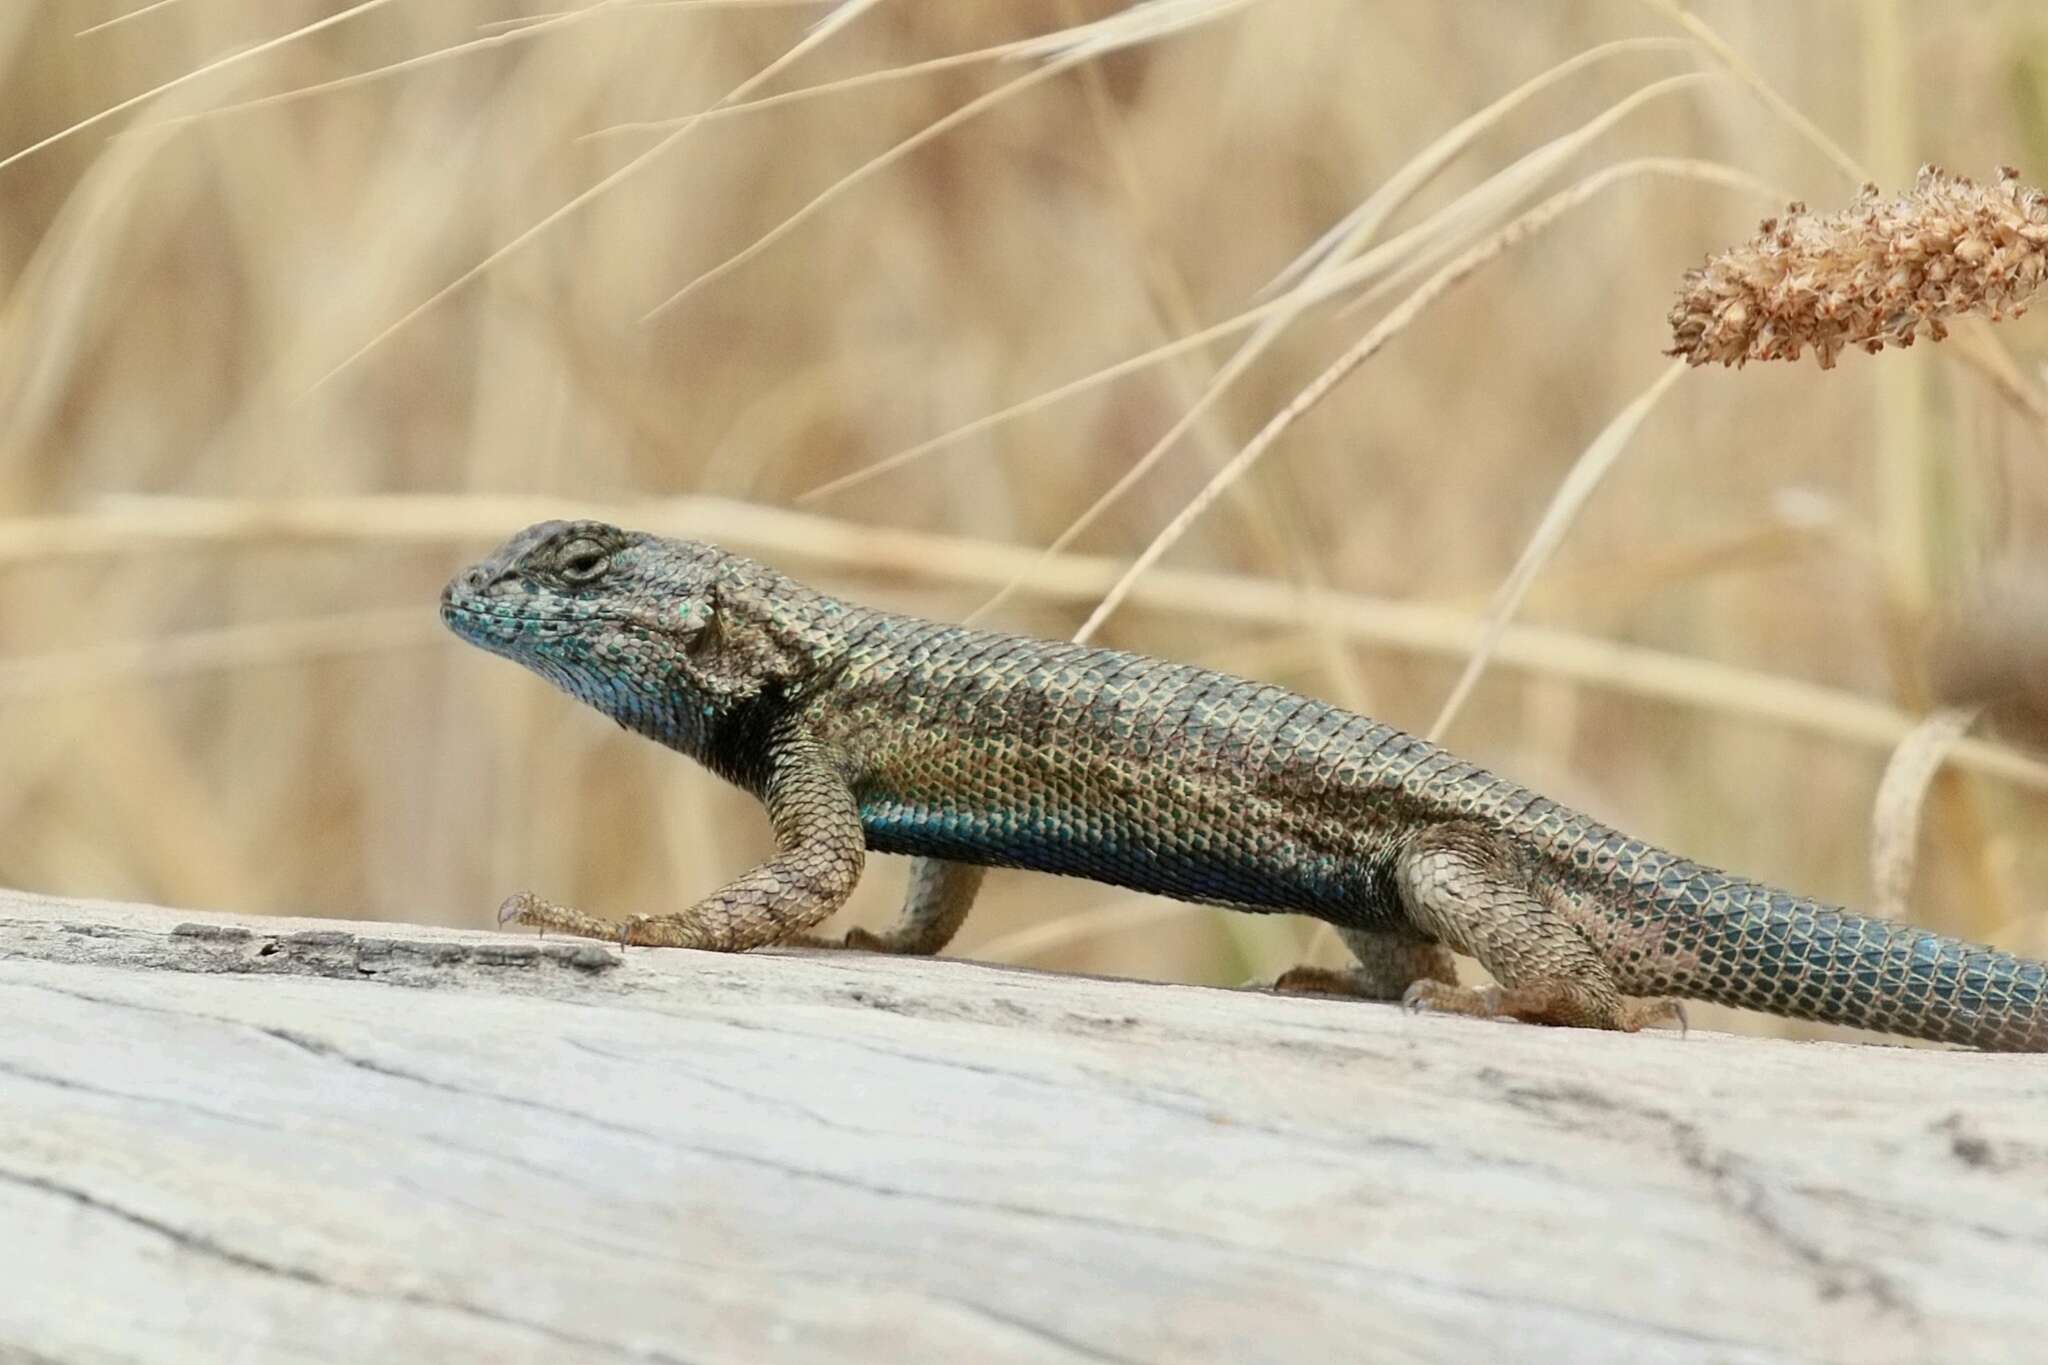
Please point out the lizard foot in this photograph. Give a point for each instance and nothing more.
(855, 940)
(1323, 981)
(862, 941)
(1656, 1011)
(653, 931)
(859, 940)
(1387, 964)
(527, 908)
(1545, 1002)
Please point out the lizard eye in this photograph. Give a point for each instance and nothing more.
(583, 561)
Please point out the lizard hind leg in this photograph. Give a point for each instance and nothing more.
(1463, 886)
(941, 893)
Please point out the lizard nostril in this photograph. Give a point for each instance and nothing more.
(477, 579)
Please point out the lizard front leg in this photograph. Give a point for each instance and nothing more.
(820, 854)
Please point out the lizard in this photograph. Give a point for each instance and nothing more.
(865, 730)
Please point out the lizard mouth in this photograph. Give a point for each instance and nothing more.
(492, 624)
(479, 623)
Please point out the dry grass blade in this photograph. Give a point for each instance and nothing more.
(1990, 648)
(1884, 271)
(1480, 209)
(103, 25)
(517, 22)
(1142, 23)
(1148, 21)
(1022, 47)
(1439, 235)
(1363, 223)
(527, 29)
(824, 30)
(1747, 73)
(1534, 221)
(234, 59)
(259, 644)
(1976, 345)
(1895, 816)
(529, 20)
(1586, 474)
(981, 104)
(1312, 292)
(1116, 29)
(727, 4)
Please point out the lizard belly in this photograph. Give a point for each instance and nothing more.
(1233, 864)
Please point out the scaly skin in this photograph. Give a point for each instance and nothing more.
(862, 730)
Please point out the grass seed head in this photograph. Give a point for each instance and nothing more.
(1882, 271)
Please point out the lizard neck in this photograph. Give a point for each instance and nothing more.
(775, 653)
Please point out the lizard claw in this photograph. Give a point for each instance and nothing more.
(515, 908)
(1656, 1012)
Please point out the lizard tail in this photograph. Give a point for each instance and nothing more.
(1742, 943)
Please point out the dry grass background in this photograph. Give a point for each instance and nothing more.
(236, 463)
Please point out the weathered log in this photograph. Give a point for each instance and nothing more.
(279, 1140)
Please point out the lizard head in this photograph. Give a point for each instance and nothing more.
(653, 632)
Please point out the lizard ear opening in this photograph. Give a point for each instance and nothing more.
(733, 656)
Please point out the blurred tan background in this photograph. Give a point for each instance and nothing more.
(238, 458)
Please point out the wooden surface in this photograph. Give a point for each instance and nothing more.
(228, 1141)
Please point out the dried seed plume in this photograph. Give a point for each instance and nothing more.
(1884, 271)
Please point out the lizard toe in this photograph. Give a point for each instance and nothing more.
(1429, 996)
(1311, 981)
